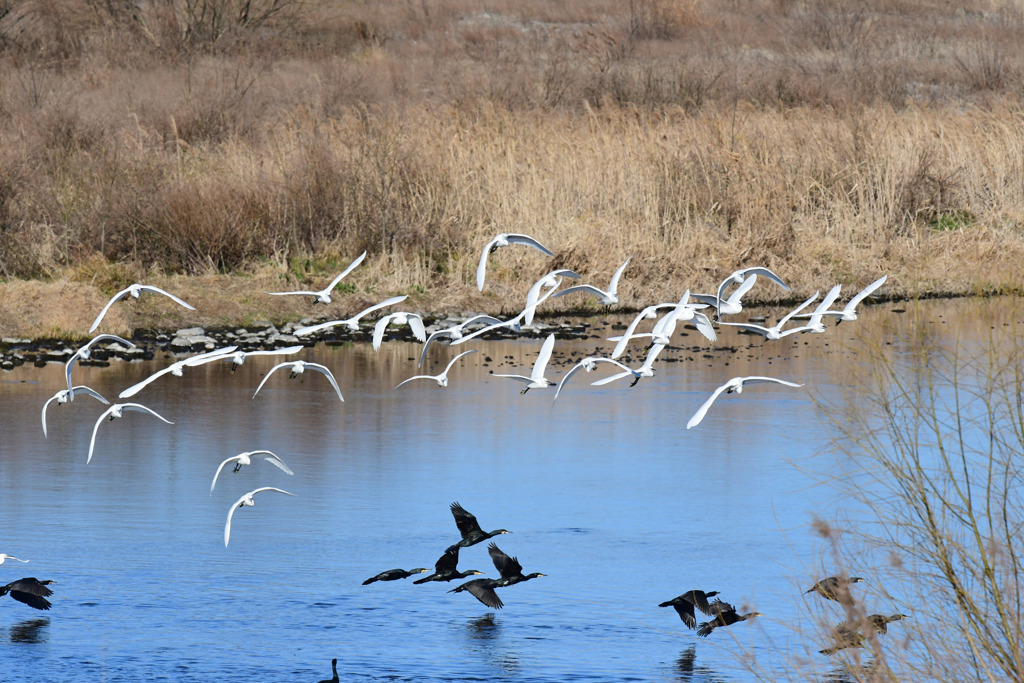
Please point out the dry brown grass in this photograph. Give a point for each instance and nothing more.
(830, 141)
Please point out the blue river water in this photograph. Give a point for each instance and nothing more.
(605, 491)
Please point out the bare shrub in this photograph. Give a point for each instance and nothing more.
(938, 431)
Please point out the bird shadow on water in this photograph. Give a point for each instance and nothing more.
(687, 668)
(485, 633)
(30, 631)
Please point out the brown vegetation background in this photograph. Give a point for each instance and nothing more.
(222, 148)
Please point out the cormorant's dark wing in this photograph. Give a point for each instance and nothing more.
(483, 590)
(705, 629)
(465, 521)
(508, 567)
(30, 592)
(718, 608)
(700, 600)
(685, 610)
(448, 562)
(31, 599)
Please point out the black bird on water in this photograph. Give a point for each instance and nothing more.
(482, 590)
(725, 615)
(835, 588)
(445, 568)
(334, 668)
(685, 603)
(395, 575)
(470, 528)
(511, 573)
(509, 568)
(30, 591)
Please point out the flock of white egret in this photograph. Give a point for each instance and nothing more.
(688, 309)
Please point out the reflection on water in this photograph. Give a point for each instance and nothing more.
(486, 634)
(30, 631)
(689, 670)
(483, 628)
(605, 491)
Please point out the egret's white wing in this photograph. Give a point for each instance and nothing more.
(351, 267)
(821, 310)
(327, 373)
(613, 288)
(271, 352)
(744, 287)
(378, 330)
(517, 238)
(863, 294)
(433, 377)
(151, 288)
(486, 320)
(481, 269)
(310, 329)
(271, 372)
(624, 340)
(139, 408)
(531, 299)
(104, 337)
(589, 289)
(110, 303)
(514, 322)
(785, 318)
(231, 513)
(81, 389)
(756, 270)
(582, 364)
(426, 345)
(123, 406)
(652, 355)
(667, 324)
(47, 405)
(453, 360)
(305, 292)
(217, 473)
(518, 378)
(479, 320)
(639, 335)
(376, 307)
(765, 380)
(542, 359)
(418, 331)
(484, 330)
(750, 327)
(827, 302)
(217, 354)
(136, 388)
(238, 504)
(704, 326)
(533, 296)
(703, 410)
(612, 378)
(274, 460)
